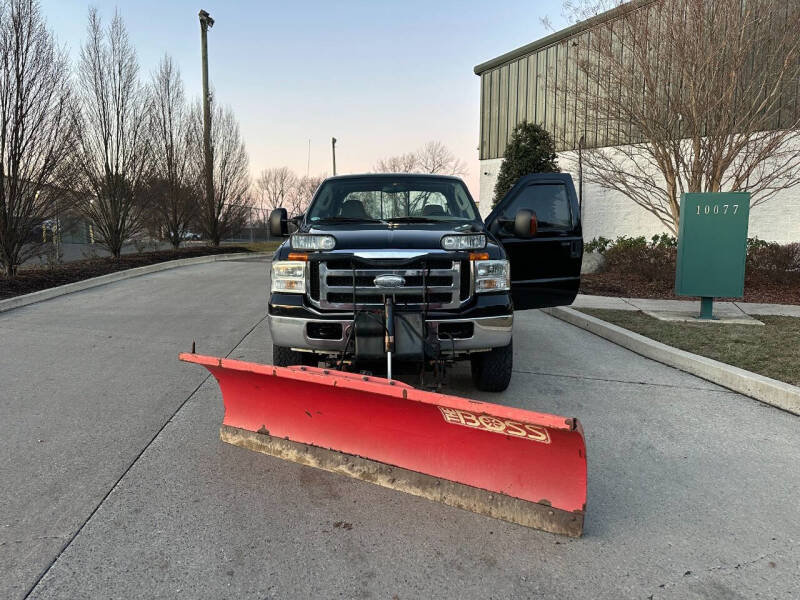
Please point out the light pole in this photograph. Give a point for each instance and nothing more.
(581, 142)
(333, 151)
(206, 22)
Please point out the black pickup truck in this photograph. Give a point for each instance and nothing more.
(401, 267)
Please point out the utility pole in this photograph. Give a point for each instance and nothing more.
(206, 22)
(581, 142)
(333, 150)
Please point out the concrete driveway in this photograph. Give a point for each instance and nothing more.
(113, 482)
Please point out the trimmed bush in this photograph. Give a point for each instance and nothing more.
(779, 263)
(598, 244)
(655, 260)
(530, 150)
(635, 256)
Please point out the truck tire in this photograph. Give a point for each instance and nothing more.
(491, 371)
(286, 357)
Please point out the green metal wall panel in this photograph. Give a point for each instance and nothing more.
(541, 87)
(494, 116)
(522, 90)
(550, 85)
(594, 88)
(559, 96)
(513, 80)
(530, 113)
(502, 125)
(486, 88)
(570, 113)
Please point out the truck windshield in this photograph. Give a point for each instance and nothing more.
(405, 198)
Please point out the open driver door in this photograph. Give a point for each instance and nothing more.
(538, 223)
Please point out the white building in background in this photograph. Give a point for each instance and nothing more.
(514, 88)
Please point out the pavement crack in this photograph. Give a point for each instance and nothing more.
(629, 303)
(127, 469)
(731, 567)
(33, 539)
(739, 565)
(625, 381)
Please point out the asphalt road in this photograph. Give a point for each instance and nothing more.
(114, 484)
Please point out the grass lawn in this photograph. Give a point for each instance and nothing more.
(772, 350)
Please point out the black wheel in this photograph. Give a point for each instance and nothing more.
(286, 357)
(491, 371)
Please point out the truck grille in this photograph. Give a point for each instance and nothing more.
(336, 287)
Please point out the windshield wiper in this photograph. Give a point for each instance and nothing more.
(341, 219)
(413, 220)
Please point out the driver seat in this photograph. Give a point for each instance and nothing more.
(433, 210)
(353, 209)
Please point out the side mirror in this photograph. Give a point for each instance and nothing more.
(278, 222)
(525, 224)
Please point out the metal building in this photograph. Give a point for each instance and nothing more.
(522, 85)
(530, 83)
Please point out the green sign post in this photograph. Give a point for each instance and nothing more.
(712, 247)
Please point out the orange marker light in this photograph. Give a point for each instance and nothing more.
(479, 256)
(298, 256)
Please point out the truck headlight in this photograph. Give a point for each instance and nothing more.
(289, 276)
(491, 275)
(313, 242)
(464, 242)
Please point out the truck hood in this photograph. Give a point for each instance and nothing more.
(423, 236)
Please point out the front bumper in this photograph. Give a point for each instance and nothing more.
(487, 333)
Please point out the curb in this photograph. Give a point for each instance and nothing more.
(78, 286)
(764, 389)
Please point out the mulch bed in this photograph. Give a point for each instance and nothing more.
(759, 287)
(40, 278)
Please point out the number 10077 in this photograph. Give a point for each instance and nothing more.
(717, 209)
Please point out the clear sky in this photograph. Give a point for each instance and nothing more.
(382, 77)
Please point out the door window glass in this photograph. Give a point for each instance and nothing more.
(550, 202)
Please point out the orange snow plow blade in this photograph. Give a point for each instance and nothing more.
(513, 464)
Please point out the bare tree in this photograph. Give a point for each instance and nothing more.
(170, 195)
(693, 96)
(402, 163)
(230, 209)
(302, 192)
(113, 149)
(433, 157)
(581, 10)
(35, 129)
(274, 187)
